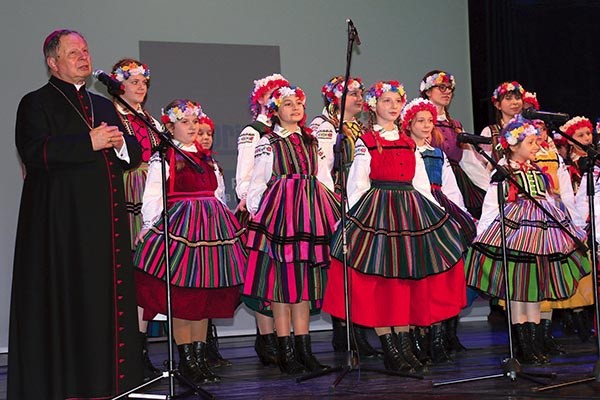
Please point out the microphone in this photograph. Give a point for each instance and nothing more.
(469, 138)
(353, 30)
(545, 116)
(115, 87)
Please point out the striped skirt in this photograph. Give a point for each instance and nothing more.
(206, 246)
(472, 194)
(543, 261)
(395, 232)
(135, 181)
(289, 240)
(467, 227)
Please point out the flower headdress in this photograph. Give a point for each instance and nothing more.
(262, 86)
(123, 72)
(517, 129)
(531, 98)
(436, 80)
(281, 93)
(332, 91)
(180, 110)
(413, 107)
(576, 123)
(380, 88)
(505, 88)
(205, 119)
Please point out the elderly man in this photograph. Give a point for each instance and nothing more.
(73, 328)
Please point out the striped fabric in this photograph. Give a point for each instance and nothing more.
(472, 194)
(290, 234)
(206, 246)
(134, 182)
(543, 260)
(395, 232)
(468, 230)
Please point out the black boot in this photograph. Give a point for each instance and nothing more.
(421, 340)
(213, 356)
(188, 365)
(404, 346)
(392, 359)
(358, 339)
(287, 360)
(549, 344)
(437, 345)
(537, 343)
(305, 356)
(363, 347)
(338, 337)
(582, 326)
(150, 371)
(524, 352)
(453, 344)
(200, 349)
(266, 348)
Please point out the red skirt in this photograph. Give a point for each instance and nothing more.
(192, 304)
(381, 302)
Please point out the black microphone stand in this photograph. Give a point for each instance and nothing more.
(592, 157)
(165, 142)
(511, 368)
(352, 361)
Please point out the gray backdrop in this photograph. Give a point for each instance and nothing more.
(401, 40)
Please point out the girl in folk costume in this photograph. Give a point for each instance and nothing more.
(293, 212)
(508, 102)
(265, 343)
(405, 252)
(135, 80)
(206, 242)
(471, 175)
(325, 128)
(418, 119)
(543, 260)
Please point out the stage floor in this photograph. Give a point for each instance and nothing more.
(487, 343)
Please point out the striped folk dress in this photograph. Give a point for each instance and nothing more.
(288, 238)
(544, 263)
(404, 251)
(206, 251)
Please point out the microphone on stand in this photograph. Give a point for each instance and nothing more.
(469, 138)
(545, 116)
(353, 30)
(114, 87)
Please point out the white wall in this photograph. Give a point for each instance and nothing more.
(400, 40)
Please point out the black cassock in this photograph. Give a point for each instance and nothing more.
(73, 324)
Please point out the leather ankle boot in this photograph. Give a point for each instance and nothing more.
(537, 343)
(188, 366)
(150, 371)
(208, 376)
(525, 352)
(404, 346)
(453, 344)
(549, 344)
(305, 356)
(266, 348)
(421, 340)
(437, 347)
(287, 360)
(213, 356)
(392, 359)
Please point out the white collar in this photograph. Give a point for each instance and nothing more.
(264, 119)
(281, 131)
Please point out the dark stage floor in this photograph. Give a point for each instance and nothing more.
(248, 379)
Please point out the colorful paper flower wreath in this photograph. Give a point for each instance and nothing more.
(380, 88)
(413, 107)
(125, 71)
(436, 80)
(180, 110)
(505, 88)
(266, 84)
(531, 98)
(576, 123)
(281, 93)
(517, 129)
(332, 91)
